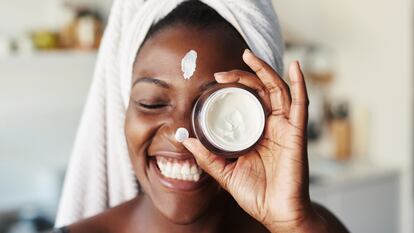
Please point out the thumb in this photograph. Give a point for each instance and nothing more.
(216, 166)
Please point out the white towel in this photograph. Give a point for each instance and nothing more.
(100, 174)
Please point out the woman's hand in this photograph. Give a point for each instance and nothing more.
(270, 182)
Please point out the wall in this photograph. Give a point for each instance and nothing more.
(373, 45)
(41, 97)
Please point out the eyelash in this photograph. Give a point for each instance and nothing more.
(152, 106)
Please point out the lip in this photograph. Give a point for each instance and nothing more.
(174, 184)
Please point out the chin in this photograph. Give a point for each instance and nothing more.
(183, 210)
(183, 218)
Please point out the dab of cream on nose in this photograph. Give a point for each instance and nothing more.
(188, 64)
(181, 134)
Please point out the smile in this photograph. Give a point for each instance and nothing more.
(177, 172)
(179, 169)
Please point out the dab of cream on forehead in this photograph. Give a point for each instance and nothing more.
(188, 64)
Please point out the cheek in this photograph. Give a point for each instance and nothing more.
(135, 130)
(139, 131)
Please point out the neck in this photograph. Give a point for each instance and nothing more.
(147, 217)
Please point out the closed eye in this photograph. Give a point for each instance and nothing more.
(152, 106)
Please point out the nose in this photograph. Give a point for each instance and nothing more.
(179, 119)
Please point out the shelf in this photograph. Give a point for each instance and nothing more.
(47, 61)
(63, 54)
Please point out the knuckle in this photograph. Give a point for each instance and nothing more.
(279, 112)
(264, 69)
(240, 75)
(300, 102)
(275, 89)
(233, 74)
(210, 160)
(236, 72)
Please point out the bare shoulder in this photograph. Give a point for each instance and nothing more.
(248, 224)
(237, 220)
(251, 226)
(110, 221)
(329, 217)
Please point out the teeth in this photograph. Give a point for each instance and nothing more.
(179, 169)
(193, 170)
(185, 169)
(196, 176)
(176, 169)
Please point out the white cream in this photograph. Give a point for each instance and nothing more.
(233, 119)
(189, 64)
(181, 134)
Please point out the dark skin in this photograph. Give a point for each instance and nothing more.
(265, 190)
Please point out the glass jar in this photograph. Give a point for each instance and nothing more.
(229, 119)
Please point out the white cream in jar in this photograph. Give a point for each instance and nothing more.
(229, 120)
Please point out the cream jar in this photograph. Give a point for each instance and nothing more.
(229, 119)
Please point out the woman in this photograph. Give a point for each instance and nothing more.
(265, 190)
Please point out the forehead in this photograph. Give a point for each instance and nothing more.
(161, 55)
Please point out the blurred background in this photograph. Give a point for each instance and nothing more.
(358, 61)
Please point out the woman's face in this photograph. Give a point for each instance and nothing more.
(161, 101)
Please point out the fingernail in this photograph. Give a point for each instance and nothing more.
(247, 51)
(219, 74)
(296, 70)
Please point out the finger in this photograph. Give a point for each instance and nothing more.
(277, 88)
(298, 115)
(216, 166)
(248, 79)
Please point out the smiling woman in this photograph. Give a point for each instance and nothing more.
(186, 188)
(150, 130)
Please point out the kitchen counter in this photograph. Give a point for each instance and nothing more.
(366, 197)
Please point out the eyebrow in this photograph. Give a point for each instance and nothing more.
(152, 80)
(163, 84)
